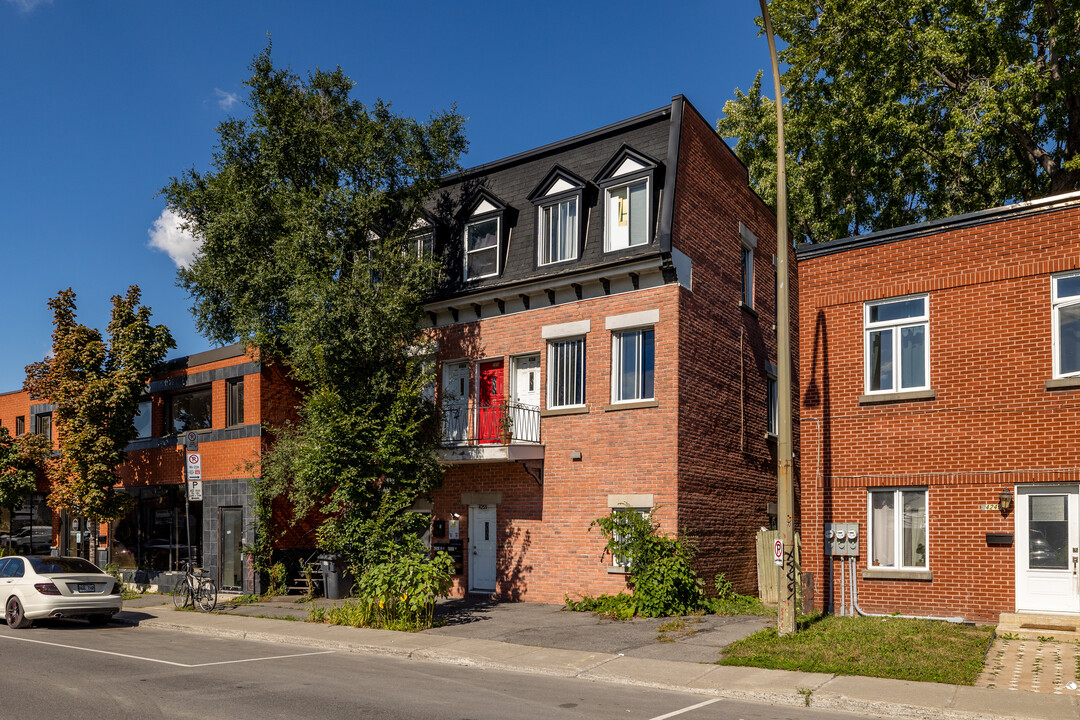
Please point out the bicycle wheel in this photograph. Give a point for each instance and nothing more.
(181, 596)
(207, 596)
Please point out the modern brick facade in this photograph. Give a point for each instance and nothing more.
(235, 395)
(991, 414)
(694, 450)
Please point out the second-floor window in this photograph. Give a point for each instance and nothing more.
(234, 402)
(143, 415)
(189, 410)
(897, 347)
(772, 407)
(566, 373)
(632, 367)
(482, 249)
(558, 231)
(20, 425)
(626, 222)
(1066, 310)
(43, 424)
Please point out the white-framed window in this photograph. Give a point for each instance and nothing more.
(633, 362)
(620, 558)
(420, 243)
(558, 231)
(896, 528)
(482, 248)
(772, 406)
(748, 276)
(566, 373)
(626, 223)
(1066, 311)
(897, 344)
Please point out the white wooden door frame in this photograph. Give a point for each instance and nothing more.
(483, 549)
(1050, 590)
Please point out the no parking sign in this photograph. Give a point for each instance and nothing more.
(778, 552)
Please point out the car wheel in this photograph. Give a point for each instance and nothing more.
(16, 618)
(98, 619)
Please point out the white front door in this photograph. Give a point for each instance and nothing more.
(482, 548)
(525, 405)
(1048, 548)
(455, 402)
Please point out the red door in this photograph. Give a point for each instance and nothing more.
(489, 402)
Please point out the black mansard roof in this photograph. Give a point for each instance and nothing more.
(579, 166)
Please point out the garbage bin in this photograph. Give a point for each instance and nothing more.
(337, 582)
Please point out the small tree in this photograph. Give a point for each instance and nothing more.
(21, 460)
(95, 385)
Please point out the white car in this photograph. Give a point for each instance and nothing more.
(41, 586)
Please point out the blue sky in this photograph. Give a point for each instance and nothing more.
(104, 101)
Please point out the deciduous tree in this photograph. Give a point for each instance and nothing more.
(304, 222)
(906, 110)
(95, 385)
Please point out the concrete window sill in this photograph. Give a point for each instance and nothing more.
(913, 395)
(564, 411)
(616, 570)
(885, 574)
(632, 405)
(1069, 383)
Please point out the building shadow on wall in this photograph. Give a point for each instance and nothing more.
(513, 570)
(818, 396)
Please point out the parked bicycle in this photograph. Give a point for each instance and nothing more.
(196, 590)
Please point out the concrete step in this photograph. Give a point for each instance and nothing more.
(1040, 625)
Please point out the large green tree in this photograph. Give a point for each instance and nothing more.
(95, 385)
(303, 221)
(899, 111)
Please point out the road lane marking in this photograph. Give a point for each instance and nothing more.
(164, 662)
(685, 709)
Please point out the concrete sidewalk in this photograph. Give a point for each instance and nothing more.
(874, 696)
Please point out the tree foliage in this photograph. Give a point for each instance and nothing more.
(304, 220)
(906, 110)
(21, 459)
(95, 385)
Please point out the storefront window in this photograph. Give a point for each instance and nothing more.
(152, 536)
(27, 529)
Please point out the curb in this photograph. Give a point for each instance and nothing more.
(757, 685)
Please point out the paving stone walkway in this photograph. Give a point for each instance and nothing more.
(1047, 666)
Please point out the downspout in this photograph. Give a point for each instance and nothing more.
(855, 604)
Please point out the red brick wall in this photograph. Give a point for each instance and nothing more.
(992, 425)
(545, 535)
(727, 466)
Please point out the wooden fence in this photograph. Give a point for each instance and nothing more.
(768, 573)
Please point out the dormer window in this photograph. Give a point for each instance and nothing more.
(483, 236)
(558, 205)
(626, 180)
(482, 249)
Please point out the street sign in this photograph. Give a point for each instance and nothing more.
(194, 466)
(194, 488)
(192, 441)
(778, 552)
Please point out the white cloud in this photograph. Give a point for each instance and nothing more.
(225, 100)
(28, 5)
(170, 238)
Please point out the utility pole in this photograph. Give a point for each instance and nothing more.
(785, 464)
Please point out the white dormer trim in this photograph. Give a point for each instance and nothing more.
(629, 165)
(483, 207)
(559, 186)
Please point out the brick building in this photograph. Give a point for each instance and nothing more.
(605, 338)
(225, 396)
(940, 399)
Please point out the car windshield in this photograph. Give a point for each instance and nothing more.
(54, 565)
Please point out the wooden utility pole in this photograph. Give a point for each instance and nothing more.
(785, 464)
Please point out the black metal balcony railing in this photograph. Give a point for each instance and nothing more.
(464, 424)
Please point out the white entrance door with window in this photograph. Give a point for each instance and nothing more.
(1048, 548)
(525, 408)
(455, 402)
(482, 548)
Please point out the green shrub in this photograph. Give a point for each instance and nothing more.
(729, 602)
(278, 580)
(398, 594)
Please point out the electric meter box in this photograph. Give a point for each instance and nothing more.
(842, 539)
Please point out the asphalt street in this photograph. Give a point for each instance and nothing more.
(68, 669)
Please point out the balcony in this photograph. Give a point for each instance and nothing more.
(500, 432)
